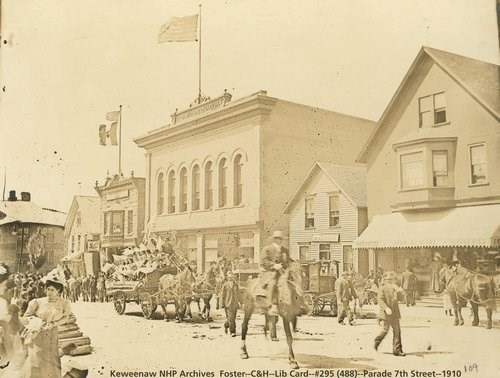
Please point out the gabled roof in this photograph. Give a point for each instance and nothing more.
(351, 181)
(89, 207)
(30, 212)
(478, 78)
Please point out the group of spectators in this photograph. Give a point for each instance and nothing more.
(89, 288)
(32, 309)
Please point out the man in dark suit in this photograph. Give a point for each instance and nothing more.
(409, 285)
(272, 263)
(389, 313)
(345, 293)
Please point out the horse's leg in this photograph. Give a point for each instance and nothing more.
(289, 340)
(460, 304)
(489, 312)
(207, 300)
(244, 329)
(475, 313)
(272, 321)
(294, 323)
(454, 301)
(164, 311)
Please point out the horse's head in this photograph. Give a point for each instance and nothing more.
(445, 274)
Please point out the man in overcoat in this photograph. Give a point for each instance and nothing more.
(229, 299)
(389, 313)
(345, 292)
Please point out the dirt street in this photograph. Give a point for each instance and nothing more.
(124, 344)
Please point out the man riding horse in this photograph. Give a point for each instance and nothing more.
(272, 261)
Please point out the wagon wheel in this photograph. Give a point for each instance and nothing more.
(147, 305)
(119, 302)
(333, 307)
(318, 306)
(308, 302)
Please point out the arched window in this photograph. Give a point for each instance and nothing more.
(222, 183)
(209, 189)
(171, 192)
(183, 190)
(160, 193)
(237, 183)
(195, 190)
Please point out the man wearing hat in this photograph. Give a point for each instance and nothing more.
(345, 292)
(272, 262)
(389, 313)
(229, 298)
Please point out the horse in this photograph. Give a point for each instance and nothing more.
(205, 287)
(176, 288)
(465, 286)
(289, 307)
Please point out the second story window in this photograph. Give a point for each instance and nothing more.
(209, 189)
(309, 212)
(171, 192)
(222, 183)
(160, 194)
(478, 168)
(195, 190)
(117, 223)
(130, 221)
(238, 185)
(432, 110)
(183, 190)
(107, 221)
(334, 211)
(439, 168)
(412, 170)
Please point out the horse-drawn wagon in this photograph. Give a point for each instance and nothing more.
(319, 285)
(144, 291)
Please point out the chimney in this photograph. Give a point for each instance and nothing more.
(26, 196)
(12, 196)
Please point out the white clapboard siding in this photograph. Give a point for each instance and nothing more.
(321, 187)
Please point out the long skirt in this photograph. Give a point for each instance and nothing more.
(43, 356)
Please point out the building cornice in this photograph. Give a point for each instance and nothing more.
(258, 104)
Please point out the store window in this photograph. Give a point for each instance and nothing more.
(303, 252)
(324, 251)
(117, 222)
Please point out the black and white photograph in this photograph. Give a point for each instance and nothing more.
(249, 189)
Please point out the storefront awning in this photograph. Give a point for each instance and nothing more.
(472, 226)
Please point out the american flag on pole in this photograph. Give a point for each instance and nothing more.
(179, 29)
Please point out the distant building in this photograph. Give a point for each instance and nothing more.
(81, 234)
(20, 219)
(433, 176)
(327, 213)
(221, 173)
(121, 214)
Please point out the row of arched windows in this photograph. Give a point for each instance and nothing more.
(185, 188)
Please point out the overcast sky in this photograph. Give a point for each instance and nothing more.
(66, 63)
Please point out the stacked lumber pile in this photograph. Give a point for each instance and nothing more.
(70, 333)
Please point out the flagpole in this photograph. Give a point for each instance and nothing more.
(199, 63)
(120, 145)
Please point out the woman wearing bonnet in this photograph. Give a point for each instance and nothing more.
(42, 317)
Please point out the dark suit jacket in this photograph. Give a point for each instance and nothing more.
(388, 298)
(270, 255)
(408, 281)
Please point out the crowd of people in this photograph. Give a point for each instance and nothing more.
(32, 307)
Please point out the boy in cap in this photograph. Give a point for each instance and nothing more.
(389, 313)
